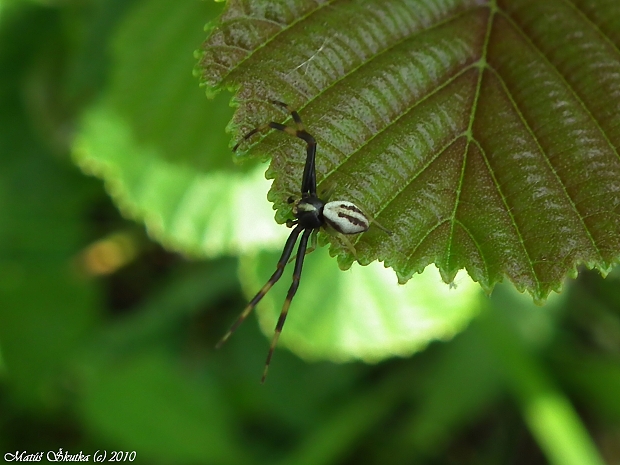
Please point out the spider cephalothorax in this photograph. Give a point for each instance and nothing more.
(311, 214)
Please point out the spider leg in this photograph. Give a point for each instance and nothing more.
(381, 227)
(294, 114)
(313, 245)
(347, 244)
(308, 180)
(374, 222)
(262, 127)
(313, 241)
(308, 183)
(344, 240)
(286, 253)
(301, 253)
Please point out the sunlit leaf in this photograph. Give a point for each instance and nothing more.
(485, 134)
(361, 313)
(183, 208)
(161, 146)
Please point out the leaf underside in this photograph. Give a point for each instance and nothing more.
(485, 135)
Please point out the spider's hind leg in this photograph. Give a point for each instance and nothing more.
(348, 244)
(344, 240)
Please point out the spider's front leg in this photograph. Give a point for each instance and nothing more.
(313, 244)
(308, 180)
(299, 262)
(286, 254)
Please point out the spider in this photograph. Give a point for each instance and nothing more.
(311, 214)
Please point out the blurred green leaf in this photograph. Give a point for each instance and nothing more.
(347, 423)
(594, 380)
(549, 414)
(154, 139)
(197, 213)
(46, 307)
(341, 316)
(463, 383)
(152, 88)
(145, 403)
(181, 297)
(485, 134)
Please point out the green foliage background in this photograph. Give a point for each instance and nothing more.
(125, 361)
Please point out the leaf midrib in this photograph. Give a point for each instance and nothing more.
(481, 63)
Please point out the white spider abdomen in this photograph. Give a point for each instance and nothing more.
(345, 217)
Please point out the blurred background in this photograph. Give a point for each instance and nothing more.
(106, 336)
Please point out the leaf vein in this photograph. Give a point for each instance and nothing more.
(595, 26)
(561, 77)
(273, 37)
(386, 50)
(478, 246)
(395, 120)
(404, 186)
(508, 211)
(472, 114)
(546, 159)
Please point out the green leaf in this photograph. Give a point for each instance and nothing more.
(183, 208)
(484, 134)
(187, 421)
(343, 316)
(46, 307)
(161, 147)
(551, 418)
